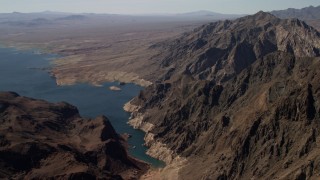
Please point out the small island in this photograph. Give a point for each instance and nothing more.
(114, 88)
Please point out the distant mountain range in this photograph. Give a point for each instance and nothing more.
(73, 17)
(23, 21)
(210, 14)
(307, 13)
(53, 18)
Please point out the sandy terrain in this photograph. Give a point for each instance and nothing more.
(96, 48)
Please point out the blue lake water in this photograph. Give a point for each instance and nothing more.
(21, 72)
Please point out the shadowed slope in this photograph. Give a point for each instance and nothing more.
(43, 140)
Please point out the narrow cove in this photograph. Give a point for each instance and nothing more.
(25, 72)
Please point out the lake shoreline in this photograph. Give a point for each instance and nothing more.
(41, 86)
(65, 79)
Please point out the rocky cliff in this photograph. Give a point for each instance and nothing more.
(237, 100)
(41, 140)
(219, 50)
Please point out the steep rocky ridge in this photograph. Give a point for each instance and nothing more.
(212, 51)
(238, 100)
(309, 14)
(306, 13)
(43, 140)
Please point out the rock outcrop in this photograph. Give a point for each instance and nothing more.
(41, 140)
(239, 100)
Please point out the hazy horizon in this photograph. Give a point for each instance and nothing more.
(151, 7)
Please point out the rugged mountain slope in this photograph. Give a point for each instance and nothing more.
(309, 14)
(219, 50)
(306, 13)
(43, 140)
(240, 99)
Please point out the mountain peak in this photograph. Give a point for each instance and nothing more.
(223, 49)
(260, 18)
(261, 15)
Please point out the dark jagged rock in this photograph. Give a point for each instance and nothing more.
(240, 99)
(44, 140)
(232, 46)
